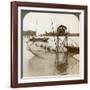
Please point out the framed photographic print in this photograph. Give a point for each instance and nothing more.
(48, 44)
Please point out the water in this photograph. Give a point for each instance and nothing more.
(36, 66)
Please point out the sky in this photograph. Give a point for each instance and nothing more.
(41, 22)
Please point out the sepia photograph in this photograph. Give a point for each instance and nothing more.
(50, 43)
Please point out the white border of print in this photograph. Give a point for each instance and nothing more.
(52, 78)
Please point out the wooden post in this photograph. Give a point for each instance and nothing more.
(57, 50)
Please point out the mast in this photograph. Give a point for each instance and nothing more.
(36, 25)
(57, 50)
(56, 43)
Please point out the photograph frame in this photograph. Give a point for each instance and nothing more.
(14, 43)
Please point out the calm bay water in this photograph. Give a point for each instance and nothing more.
(35, 66)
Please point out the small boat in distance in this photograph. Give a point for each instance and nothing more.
(42, 39)
(72, 49)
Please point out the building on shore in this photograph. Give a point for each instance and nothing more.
(29, 33)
